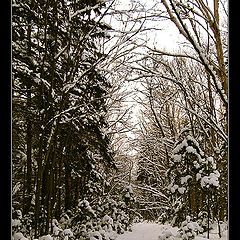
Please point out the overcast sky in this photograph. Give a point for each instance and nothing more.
(167, 36)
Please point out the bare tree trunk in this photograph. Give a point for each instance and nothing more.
(28, 197)
(38, 186)
(68, 184)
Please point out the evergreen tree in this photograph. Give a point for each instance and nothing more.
(194, 180)
(59, 100)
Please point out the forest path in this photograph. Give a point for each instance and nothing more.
(142, 231)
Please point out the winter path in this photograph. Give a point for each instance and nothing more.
(152, 231)
(142, 231)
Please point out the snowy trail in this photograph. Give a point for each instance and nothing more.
(142, 231)
(151, 231)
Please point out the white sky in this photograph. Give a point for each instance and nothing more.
(167, 38)
(168, 35)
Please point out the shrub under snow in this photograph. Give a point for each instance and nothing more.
(167, 232)
(189, 229)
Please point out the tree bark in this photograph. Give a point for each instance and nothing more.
(67, 187)
(28, 197)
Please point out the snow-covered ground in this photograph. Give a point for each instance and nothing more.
(152, 231)
(142, 231)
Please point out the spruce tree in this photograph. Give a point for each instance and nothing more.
(59, 100)
(194, 180)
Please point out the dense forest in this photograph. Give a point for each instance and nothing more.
(108, 127)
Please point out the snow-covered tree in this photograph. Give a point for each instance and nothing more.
(194, 180)
(59, 105)
(72, 109)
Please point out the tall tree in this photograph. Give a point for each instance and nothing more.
(62, 97)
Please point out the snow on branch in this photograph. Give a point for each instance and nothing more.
(178, 21)
(86, 9)
(213, 124)
(150, 189)
(61, 51)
